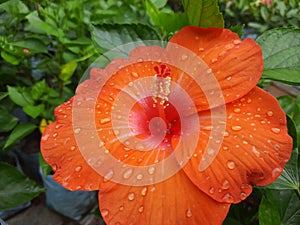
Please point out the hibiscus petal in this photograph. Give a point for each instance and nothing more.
(237, 65)
(255, 149)
(174, 201)
(60, 150)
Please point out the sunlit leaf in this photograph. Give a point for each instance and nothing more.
(67, 70)
(34, 111)
(281, 49)
(203, 13)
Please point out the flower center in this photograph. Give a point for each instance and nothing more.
(147, 118)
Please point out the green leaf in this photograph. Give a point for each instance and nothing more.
(3, 95)
(38, 89)
(15, 187)
(9, 58)
(14, 7)
(167, 22)
(20, 98)
(110, 36)
(67, 70)
(45, 167)
(282, 203)
(203, 13)
(281, 49)
(34, 111)
(7, 121)
(32, 44)
(268, 213)
(159, 3)
(20, 131)
(42, 27)
(289, 179)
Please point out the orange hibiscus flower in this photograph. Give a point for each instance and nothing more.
(171, 135)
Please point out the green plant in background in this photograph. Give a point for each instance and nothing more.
(260, 15)
(47, 46)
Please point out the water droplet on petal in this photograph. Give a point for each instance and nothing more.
(139, 176)
(104, 212)
(214, 60)
(236, 128)
(131, 196)
(77, 130)
(188, 213)
(184, 57)
(121, 208)
(237, 110)
(270, 113)
(225, 185)
(135, 74)
(141, 209)
(151, 170)
(243, 196)
(228, 78)
(275, 130)
(127, 173)
(211, 190)
(228, 198)
(109, 175)
(144, 191)
(55, 135)
(45, 137)
(78, 168)
(255, 151)
(236, 42)
(104, 120)
(276, 172)
(200, 49)
(230, 164)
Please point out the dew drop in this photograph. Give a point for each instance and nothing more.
(236, 42)
(127, 173)
(255, 151)
(214, 60)
(109, 175)
(228, 78)
(121, 208)
(225, 148)
(104, 120)
(230, 164)
(184, 57)
(237, 110)
(225, 185)
(275, 130)
(144, 191)
(151, 170)
(55, 135)
(135, 74)
(243, 196)
(141, 209)
(45, 137)
(104, 212)
(200, 49)
(277, 146)
(131, 196)
(270, 113)
(188, 213)
(73, 148)
(78, 168)
(236, 128)
(77, 130)
(209, 70)
(276, 172)
(228, 198)
(211, 190)
(139, 176)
